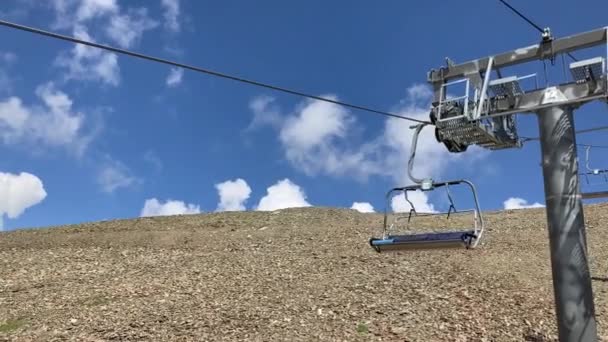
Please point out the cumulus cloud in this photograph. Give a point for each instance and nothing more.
(316, 123)
(127, 29)
(93, 8)
(69, 12)
(124, 28)
(314, 137)
(310, 138)
(419, 199)
(154, 207)
(520, 203)
(233, 195)
(87, 63)
(175, 77)
(265, 112)
(114, 175)
(320, 138)
(171, 14)
(55, 124)
(19, 192)
(363, 207)
(7, 59)
(283, 194)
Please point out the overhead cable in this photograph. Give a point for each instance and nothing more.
(540, 29)
(199, 69)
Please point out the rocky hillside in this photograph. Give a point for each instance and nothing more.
(290, 275)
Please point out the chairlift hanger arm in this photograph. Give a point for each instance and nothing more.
(592, 171)
(522, 55)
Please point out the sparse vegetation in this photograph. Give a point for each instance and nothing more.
(96, 300)
(362, 328)
(11, 325)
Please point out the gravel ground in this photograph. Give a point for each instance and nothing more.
(290, 275)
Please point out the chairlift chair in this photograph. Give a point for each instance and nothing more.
(593, 172)
(390, 241)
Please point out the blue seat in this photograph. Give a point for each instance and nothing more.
(452, 239)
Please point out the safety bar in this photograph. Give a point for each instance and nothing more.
(442, 100)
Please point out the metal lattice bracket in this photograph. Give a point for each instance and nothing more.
(483, 133)
(588, 70)
(509, 86)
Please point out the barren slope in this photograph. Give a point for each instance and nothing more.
(291, 275)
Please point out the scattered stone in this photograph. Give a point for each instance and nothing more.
(312, 278)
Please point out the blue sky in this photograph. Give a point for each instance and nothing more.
(89, 136)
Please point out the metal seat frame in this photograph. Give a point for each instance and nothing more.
(429, 240)
(593, 172)
(468, 239)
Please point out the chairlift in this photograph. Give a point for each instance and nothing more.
(412, 239)
(593, 172)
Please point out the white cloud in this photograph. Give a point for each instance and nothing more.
(265, 112)
(315, 124)
(175, 77)
(74, 12)
(418, 92)
(283, 194)
(114, 175)
(320, 138)
(88, 63)
(419, 199)
(19, 192)
(171, 14)
(127, 29)
(63, 16)
(314, 141)
(13, 117)
(233, 195)
(363, 207)
(55, 124)
(93, 8)
(153, 207)
(520, 203)
(7, 59)
(61, 126)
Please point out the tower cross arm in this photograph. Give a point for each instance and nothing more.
(573, 94)
(522, 55)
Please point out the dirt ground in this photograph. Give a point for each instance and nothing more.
(291, 275)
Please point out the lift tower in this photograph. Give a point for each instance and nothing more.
(484, 115)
